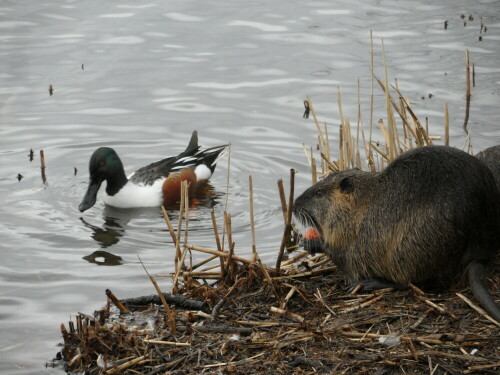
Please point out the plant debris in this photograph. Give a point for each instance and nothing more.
(313, 327)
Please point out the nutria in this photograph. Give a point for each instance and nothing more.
(431, 215)
(491, 157)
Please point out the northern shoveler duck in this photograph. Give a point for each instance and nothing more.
(153, 185)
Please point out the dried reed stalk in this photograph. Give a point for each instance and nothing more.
(180, 264)
(313, 112)
(446, 125)
(116, 301)
(281, 191)
(169, 225)
(314, 171)
(42, 166)
(468, 91)
(219, 253)
(252, 222)
(288, 226)
(217, 241)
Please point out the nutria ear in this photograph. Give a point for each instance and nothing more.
(346, 186)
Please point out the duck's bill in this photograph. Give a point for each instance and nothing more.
(90, 196)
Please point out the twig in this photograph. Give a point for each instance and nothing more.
(126, 365)
(287, 314)
(152, 341)
(473, 369)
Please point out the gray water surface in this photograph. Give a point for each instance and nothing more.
(141, 76)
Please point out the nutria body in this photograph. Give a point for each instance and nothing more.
(491, 157)
(431, 215)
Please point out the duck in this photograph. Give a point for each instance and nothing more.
(154, 185)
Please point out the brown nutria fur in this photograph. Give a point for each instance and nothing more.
(491, 157)
(431, 215)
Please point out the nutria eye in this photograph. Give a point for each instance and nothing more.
(346, 185)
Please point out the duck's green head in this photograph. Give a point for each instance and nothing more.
(104, 165)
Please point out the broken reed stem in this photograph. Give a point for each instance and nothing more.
(185, 186)
(42, 166)
(371, 95)
(420, 134)
(227, 222)
(307, 153)
(179, 265)
(314, 171)
(288, 314)
(175, 282)
(126, 365)
(219, 253)
(169, 225)
(473, 74)
(179, 228)
(227, 196)
(42, 159)
(231, 267)
(446, 125)
(327, 146)
(390, 114)
(311, 108)
(468, 91)
(401, 114)
(267, 277)
(217, 241)
(117, 302)
(168, 310)
(288, 226)
(205, 261)
(281, 191)
(252, 222)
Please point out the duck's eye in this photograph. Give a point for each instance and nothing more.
(102, 163)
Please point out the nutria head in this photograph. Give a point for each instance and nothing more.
(335, 200)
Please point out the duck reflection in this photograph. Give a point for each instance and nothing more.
(104, 258)
(110, 232)
(116, 221)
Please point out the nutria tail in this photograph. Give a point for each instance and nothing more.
(477, 281)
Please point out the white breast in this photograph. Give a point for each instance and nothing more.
(132, 195)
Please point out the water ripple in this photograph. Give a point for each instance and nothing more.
(13, 24)
(259, 26)
(239, 85)
(122, 40)
(102, 111)
(182, 17)
(117, 15)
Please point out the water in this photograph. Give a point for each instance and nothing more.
(141, 76)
